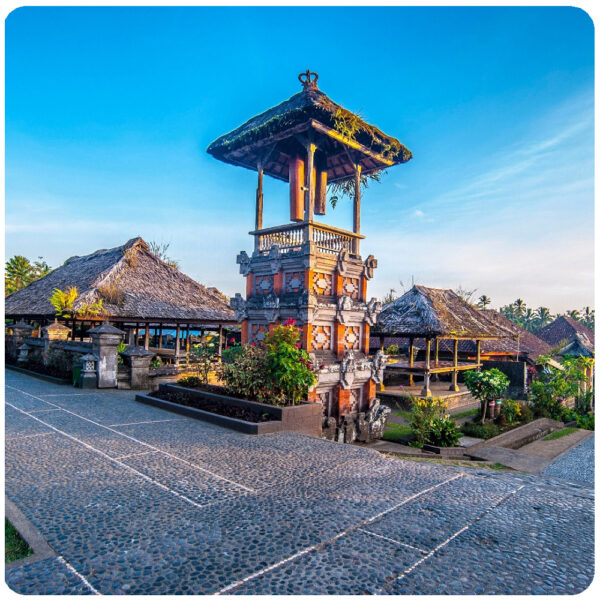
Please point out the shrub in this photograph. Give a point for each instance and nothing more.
(431, 425)
(205, 352)
(392, 349)
(511, 409)
(585, 421)
(190, 381)
(477, 430)
(485, 386)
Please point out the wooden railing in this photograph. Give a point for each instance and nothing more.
(290, 238)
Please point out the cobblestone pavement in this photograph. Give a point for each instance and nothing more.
(137, 500)
(575, 465)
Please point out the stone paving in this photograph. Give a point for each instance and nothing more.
(137, 500)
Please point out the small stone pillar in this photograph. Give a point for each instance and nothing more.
(105, 341)
(21, 331)
(23, 353)
(88, 378)
(138, 360)
(51, 333)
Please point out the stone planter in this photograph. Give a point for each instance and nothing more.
(303, 418)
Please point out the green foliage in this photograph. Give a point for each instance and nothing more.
(397, 433)
(584, 421)
(190, 381)
(121, 348)
(478, 430)
(92, 309)
(549, 393)
(484, 301)
(535, 319)
(205, 353)
(392, 349)
(345, 188)
(559, 433)
(511, 409)
(289, 366)
(485, 386)
(20, 272)
(15, 547)
(156, 363)
(278, 372)
(160, 251)
(63, 301)
(430, 424)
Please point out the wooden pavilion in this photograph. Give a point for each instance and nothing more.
(138, 292)
(435, 315)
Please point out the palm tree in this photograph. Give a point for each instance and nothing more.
(543, 316)
(19, 272)
(589, 317)
(574, 314)
(520, 307)
(484, 301)
(529, 319)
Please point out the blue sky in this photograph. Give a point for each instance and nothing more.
(109, 112)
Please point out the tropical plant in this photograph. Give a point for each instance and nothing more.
(205, 352)
(431, 425)
(389, 297)
(543, 317)
(392, 349)
(20, 272)
(486, 386)
(511, 409)
(289, 366)
(484, 301)
(63, 301)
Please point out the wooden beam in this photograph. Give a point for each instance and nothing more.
(454, 385)
(309, 193)
(411, 359)
(259, 198)
(356, 220)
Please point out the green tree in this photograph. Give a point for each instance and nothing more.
(520, 307)
(63, 301)
(543, 316)
(589, 318)
(484, 301)
(574, 314)
(486, 386)
(20, 272)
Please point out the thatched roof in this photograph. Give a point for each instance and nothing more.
(334, 126)
(566, 329)
(430, 312)
(133, 283)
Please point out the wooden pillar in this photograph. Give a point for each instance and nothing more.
(478, 344)
(73, 329)
(411, 360)
(130, 336)
(187, 339)
(81, 332)
(356, 215)
(147, 336)
(454, 385)
(426, 383)
(160, 336)
(321, 192)
(137, 333)
(309, 193)
(296, 185)
(177, 332)
(436, 377)
(259, 199)
(220, 340)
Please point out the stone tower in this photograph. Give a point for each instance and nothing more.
(308, 271)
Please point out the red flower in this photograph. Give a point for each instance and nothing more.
(299, 345)
(322, 367)
(232, 341)
(253, 344)
(290, 321)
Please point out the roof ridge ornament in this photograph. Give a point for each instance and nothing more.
(308, 80)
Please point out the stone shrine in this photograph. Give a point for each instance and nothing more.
(308, 271)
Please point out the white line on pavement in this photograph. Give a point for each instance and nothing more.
(129, 437)
(384, 537)
(448, 540)
(122, 464)
(37, 410)
(21, 437)
(75, 572)
(137, 454)
(143, 422)
(236, 584)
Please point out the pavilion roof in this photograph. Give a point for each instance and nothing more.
(342, 137)
(430, 312)
(566, 329)
(133, 283)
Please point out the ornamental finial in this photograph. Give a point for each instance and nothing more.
(308, 80)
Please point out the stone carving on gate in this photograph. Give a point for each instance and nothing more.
(321, 337)
(322, 284)
(374, 307)
(343, 263)
(244, 261)
(378, 365)
(352, 337)
(350, 287)
(369, 266)
(239, 306)
(293, 282)
(347, 369)
(344, 312)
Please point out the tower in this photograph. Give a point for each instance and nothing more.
(308, 271)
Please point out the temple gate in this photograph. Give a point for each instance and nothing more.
(308, 271)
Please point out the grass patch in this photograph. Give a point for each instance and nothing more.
(466, 413)
(560, 433)
(397, 433)
(15, 547)
(405, 414)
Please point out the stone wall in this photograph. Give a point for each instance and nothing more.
(516, 371)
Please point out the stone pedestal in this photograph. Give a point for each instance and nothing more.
(89, 376)
(138, 360)
(21, 331)
(105, 341)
